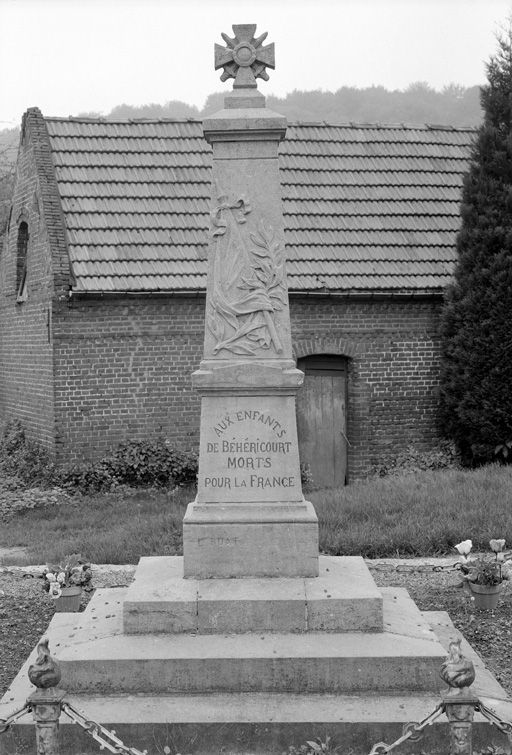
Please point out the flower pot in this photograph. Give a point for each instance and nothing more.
(69, 599)
(486, 596)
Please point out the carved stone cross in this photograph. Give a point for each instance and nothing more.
(244, 59)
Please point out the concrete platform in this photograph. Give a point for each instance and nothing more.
(248, 722)
(343, 598)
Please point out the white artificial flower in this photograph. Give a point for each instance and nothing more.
(61, 577)
(55, 590)
(50, 576)
(497, 545)
(464, 547)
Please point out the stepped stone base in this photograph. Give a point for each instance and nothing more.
(344, 598)
(170, 662)
(246, 723)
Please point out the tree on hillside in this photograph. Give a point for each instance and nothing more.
(419, 103)
(9, 139)
(476, 377)
(171, 109)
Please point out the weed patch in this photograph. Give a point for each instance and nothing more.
(154, 462)
(22, 459)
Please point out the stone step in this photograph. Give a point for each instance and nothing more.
(97, 656)
(248, 722)
(343, 598)
(312, 662)
(253, 723)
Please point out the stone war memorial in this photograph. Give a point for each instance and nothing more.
(252, 641)
(250, 518)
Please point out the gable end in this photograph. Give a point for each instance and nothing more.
(34, 129)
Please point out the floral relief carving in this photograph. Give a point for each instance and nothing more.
(248, 281)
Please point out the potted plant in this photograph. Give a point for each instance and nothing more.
(483, 575)
(64, 583)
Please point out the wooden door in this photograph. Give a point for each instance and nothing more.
(321, 420)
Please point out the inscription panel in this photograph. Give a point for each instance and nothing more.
(248, 450)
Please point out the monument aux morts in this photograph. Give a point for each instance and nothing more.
(252, 641)
(250, 517)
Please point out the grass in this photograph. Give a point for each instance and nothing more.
(416, 515)
(105, 528)
(422, 514)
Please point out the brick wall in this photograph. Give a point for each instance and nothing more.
(123, 370)
(26, 390)
(393, 349)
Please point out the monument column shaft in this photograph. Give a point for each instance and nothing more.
(250, 517)
(247, 251)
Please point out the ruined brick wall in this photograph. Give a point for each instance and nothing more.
(123, 370)
(26, 374)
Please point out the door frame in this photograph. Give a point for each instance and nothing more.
(331, 364)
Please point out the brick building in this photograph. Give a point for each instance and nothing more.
(103, 267)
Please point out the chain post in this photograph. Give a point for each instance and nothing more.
(46, 701)
(46, 707)
(460, 711)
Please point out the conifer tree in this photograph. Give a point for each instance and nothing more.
(476, 369)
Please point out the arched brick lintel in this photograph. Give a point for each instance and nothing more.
(342, 347)
(23, 216)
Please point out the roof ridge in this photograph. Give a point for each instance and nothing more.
(105, 119)
(371, 125)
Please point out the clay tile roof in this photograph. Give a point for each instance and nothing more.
(366, 207)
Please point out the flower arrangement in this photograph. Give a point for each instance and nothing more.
(74, 572)
(484, 570)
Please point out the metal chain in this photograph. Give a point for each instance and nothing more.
(6, 723)
(493, 718)
(98, 732)
(412, 568)
(412, 731)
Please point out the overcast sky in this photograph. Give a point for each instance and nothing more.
(71, 56)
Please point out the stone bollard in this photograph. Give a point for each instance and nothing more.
(459, 703)
(460, 711)
(46, 708)
(46, 701)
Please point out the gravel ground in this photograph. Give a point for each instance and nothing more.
(25, 612)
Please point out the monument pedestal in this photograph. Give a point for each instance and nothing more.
(257, 540)
(250, 518)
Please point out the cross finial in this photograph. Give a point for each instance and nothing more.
(244, 59)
